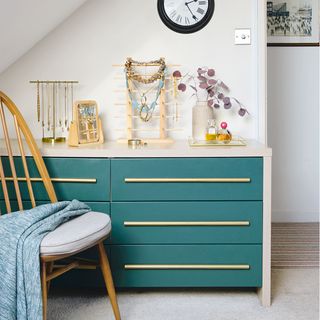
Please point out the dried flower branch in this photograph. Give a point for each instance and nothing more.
(214, 89)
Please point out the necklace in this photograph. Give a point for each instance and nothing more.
(145, 109)
(134, 75)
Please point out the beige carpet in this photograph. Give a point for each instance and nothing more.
(295, 245)
(295, 297)
(295, 290)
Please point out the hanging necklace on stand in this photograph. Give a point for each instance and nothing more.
(42, 108)
(144, 108)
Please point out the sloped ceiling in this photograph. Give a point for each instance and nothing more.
(23, 23)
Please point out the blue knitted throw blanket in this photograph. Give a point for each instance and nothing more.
(20, 238)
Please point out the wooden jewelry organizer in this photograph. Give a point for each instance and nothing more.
(86, 127)
(54, 101)
(161, 132)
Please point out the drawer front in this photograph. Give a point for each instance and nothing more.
(85, 179)
(187, 179)
(100, 207)
(186, 222)
(187, 266)
(95, 206)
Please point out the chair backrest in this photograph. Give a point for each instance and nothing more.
(20, 127)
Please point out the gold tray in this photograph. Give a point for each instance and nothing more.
(235, 142)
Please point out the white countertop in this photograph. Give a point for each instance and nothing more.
(111, 149)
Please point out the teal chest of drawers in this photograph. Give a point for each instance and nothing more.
(181, 222)
(185, 218)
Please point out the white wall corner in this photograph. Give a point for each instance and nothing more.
(282, 216)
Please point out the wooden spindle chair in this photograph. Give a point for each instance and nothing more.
(48, 270)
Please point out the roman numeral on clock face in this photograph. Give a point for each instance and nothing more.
(201, 11)
(173, 14)
(202, 3)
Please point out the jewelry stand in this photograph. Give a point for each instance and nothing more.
(90, 135)
(54, 100)
(161, 132)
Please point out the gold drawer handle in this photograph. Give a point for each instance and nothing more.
(184, 223)
(183, 180)
(187, 266)
(74, 180)
(68, 180)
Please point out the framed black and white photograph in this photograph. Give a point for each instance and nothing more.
(293, 22)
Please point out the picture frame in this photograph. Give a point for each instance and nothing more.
(292, 23)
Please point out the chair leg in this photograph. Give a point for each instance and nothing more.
(44, 289)
(49, 270)
(105, 268)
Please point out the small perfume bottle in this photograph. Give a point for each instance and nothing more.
(224, 134)
(212, 131)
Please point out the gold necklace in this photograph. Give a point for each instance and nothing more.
(133, 75)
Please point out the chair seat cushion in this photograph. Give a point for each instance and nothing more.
(76, 234)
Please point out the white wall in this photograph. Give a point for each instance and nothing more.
(24, 23)
(293, 132)
(102, 33)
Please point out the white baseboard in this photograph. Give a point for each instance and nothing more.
(295, 216)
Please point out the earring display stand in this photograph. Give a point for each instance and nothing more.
(86, 127)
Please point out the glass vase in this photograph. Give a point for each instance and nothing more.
(201, 113)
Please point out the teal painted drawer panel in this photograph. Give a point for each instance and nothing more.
(70, 168)
(197, 257)
(250, 169)
(100, 207)
(138, 223)
(95, 206)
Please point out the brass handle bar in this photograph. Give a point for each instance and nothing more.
(187, 266)
(205, 180)
(184, 223)
(69, 180)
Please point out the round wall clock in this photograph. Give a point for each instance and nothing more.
(185, 16)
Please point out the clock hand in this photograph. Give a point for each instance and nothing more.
(191, 1)
(193, 16)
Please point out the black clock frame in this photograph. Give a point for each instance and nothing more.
(185, 29)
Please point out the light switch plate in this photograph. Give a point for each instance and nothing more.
(242, 36)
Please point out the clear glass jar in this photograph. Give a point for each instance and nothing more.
(212, 130)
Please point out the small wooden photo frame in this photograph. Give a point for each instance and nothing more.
(86, 126)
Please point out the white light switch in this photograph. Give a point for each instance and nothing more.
(242, 36)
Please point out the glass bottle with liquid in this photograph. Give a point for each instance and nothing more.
(212, 131)
(224, 135)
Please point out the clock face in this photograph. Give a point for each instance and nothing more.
(185, 16)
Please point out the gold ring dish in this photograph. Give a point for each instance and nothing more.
(53, 140)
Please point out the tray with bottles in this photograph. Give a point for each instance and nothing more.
(236, 141)
(217, 137)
